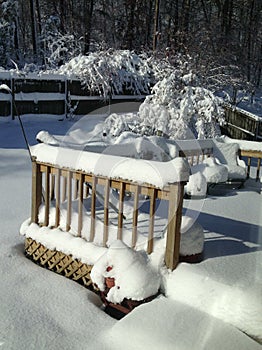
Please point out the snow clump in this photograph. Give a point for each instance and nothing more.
(134, 277)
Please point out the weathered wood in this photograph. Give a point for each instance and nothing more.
(173, 226)
(57, 197)
(106, 211)
(80, 204)
(69, 200)
(93, 209)
(36, 191)
(120, 210)
(47, 195)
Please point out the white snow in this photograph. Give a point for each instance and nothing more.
(134, 276)
(141, 171)
(206, 306)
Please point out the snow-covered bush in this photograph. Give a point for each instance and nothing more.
(111, 72)
(177, 106)
(176, 109)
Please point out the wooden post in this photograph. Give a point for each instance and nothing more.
(80, 204)
(106, 211)
(47, 195)
(121, 210)
(57, 197)
(174, 225)
(36, 190)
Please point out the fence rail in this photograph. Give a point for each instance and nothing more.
(56, 96)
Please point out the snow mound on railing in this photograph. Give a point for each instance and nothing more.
(141, 171)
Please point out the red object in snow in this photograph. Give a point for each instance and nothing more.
(110, 282)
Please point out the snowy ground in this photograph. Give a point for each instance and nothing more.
(206, 306)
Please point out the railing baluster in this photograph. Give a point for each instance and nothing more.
(150, 241)
(57, 197)
(80, 204)
(120, 210)
(93, 209)
(69, 201)
(135, 216)
(47, 195)
(106, 211)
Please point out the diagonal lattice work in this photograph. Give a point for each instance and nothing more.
(58, 262)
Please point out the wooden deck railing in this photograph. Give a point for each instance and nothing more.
(57, 185)
(196, 156)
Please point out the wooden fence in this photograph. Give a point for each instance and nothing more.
(56, 96)
(242, 125)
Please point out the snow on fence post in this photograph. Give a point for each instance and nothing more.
(36, 190)
(174, 224)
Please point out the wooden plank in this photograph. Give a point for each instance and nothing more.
(80, 205)
(106, 212)
(47, 196)
(93, 209)
(252, 154)
(69, 200)
(36, 191)
(57, 197)
(120, 210)
(173, 226)
(150, 240)
(135, 216)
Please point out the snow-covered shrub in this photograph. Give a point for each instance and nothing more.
(176, 107)
(111, 72)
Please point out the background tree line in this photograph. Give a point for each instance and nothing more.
(223, 37)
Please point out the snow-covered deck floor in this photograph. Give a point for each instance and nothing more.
(204, 303)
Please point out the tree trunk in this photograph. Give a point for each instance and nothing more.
(156, 25)
(88, 14)
(33, 29)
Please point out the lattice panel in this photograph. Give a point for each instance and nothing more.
(58, 262)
